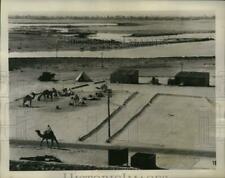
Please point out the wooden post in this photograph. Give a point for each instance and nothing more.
(109, 126)
(56, 47)
(181, 66)
(102, 60)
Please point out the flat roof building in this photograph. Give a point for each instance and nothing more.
(192, 78)
(125, 75)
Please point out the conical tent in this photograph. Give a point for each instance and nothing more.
(83, 77)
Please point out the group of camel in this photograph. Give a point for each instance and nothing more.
(50, 94)
(46, 94)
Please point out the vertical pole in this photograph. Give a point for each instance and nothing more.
(109, 127)
(102, 59)
(56, 48)
(25, 130)
(181, 66)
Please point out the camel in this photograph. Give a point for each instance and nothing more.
(28, 98)
(48, 94)
(47, 136)
(45, 94)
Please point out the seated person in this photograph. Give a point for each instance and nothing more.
(48, 130)
(71, 103)
(81, 101)
(70, 92)
(155, 81)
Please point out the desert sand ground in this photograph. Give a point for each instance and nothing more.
(99, 157)
(178, 117)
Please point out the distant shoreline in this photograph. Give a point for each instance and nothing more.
(139, 17)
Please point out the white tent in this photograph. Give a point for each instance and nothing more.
(83, 77)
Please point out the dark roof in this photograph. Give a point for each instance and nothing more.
(193, 74)
(126, 71)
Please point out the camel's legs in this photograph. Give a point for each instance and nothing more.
(56, 142)
(39, 97)
(42, 141)
(47, 142)
(52, 142)
(54, 139)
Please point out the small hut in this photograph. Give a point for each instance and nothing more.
(129, 76)
(47, 76)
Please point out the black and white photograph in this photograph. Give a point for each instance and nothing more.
(94, 89)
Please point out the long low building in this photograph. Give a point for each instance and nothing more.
(192, 78)
(129, 76)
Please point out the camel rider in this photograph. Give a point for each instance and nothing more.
(71, 103)
(81, 101)
(48, 130)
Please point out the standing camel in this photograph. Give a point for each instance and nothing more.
(47, 136)
(48, 94)
(28, 98)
